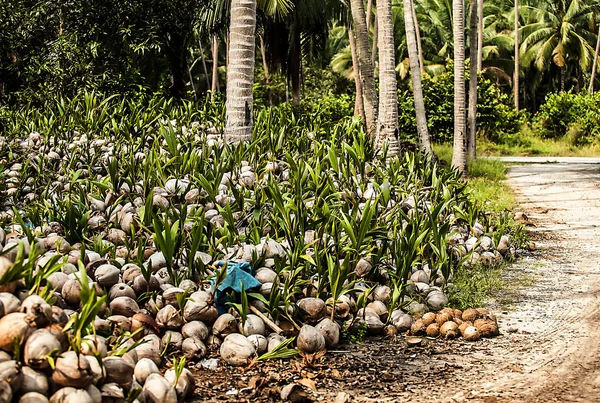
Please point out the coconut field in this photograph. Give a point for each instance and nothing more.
(138, 247)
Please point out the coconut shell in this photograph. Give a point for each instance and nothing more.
(401, 320)
(143, 369)
(330, 331)
(310, 340)
(449, 311)
(158, 390)
(428, 318)
(236, 349)
(470, 333)
(470, 315)
(184, 385)
(442, 318)
(225, 325)
(260, 343)
(418, 327)
(449, 330)
(15, 326)
(312, 309)
(457, 314)
(463, 326)
(433, 330)
(72, 370)
(118, 370)
(488, 329)
(195, 329)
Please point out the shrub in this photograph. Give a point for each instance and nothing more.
(495, 117)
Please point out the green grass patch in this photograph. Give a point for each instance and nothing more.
(473, 286)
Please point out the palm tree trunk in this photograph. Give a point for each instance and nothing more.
(365, 66)
(517, 64)
(422, 130)
(359, 108)
(240, 72)
(563, 74)
(294, 70)
(266, 70)
(479, 36)
(595, 64)
(418, 35)
(369, 14)
(204, 65)
(459, 156)
(472, 118)
(375, 35)
(215, 67)
(387, 128)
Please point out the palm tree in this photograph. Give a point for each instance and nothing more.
(595, 64)
(365, 66)
(517, 65)
(558, 32)
(479, 35)
(415, 72)
(459, 156)
(473, 55)
(387, 127)
(240, 71)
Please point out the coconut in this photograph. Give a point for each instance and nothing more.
(382, 293)
(442, 318)
(9, 372)
(470, 333)
(342, 307)
(170, 296)
(30, 397)
(57, 280)
(125, 306)
(420, 276)
(172, 340)
(463, 326)
(10, 303)
(37, 306)
(96, 370)
(374, 324)
(418, 327)
(379, 308)
(143, 369)
(310, 340)
(363, 268)
(428, 318)
(94, 393)
(184, 384)
(71, 291)
(5, 264)
(111, 392)
(193, 348)
(141, 320)
(118, 370)
(94, 345)
(16, 326)
(266, 275)
(401, 320)
(121, 290)
(199, 307)
(149, 351)
(260, 343)
(330, 331)
(487, 328)
(71, 395)
(237, 349)
(437, 300)
(312, 309)
(119, 323)
(158, 390)
(195, 329)
(169, 318)
(470, 315)
(274, 340)
(225, 325)
(449, 330)
(72, 370)
(254, 325)
(433, 330)
(107, 275)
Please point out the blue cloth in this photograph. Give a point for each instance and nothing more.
(238, 273)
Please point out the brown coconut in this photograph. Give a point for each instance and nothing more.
(428, 318)
(442, 318)
(433, 330)
(310, 340)
(449, 330)
(470, 315)
(418, 327)
(470, 333)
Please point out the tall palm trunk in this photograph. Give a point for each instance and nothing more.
(359, 108)
(266, 70)
(387, 127)
(472, 118)
(240, 71)
(375, 35)
(365, 67)
(418, 35)
(422, 131)
(517, 64)
(215, 67)
(295, 63)
(369, 14)
(563, 76)
(204, 65)
(595, 64)
(459, 156)
(479, 35)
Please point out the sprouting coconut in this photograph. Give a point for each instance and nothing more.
(310, 340)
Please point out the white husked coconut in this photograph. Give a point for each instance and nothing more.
(437, 300)
(420, 276)
(254, 325)
(401, 320)
(310, 340)
(236, 349)
(158, 390)
(225, 325)
(199, 307)
(143, 369)
(260, 343)
(195, 329)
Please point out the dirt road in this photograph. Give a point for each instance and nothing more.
(549, 350)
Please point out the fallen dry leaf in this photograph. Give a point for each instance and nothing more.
(309, 383)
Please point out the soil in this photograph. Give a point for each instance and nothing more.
(549, 349)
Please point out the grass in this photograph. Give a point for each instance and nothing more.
(486, 181)
(528, 144)
(473, 286)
